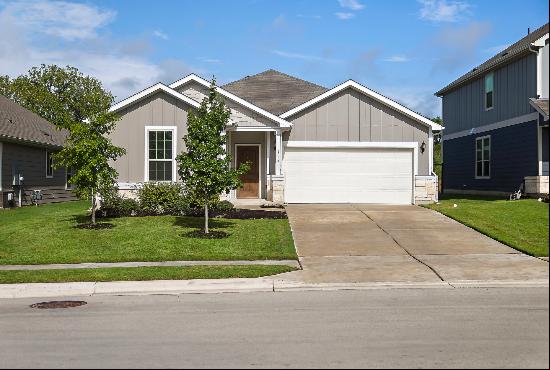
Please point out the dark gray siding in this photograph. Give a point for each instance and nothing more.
(545, 148)
(513, 156)
(30, 161)
(514, 84)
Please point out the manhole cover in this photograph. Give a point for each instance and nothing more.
(58, 304)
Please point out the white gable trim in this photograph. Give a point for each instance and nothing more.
(362, 89)
(149, 91)
(192, 77)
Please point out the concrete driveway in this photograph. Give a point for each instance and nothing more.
(400, 244)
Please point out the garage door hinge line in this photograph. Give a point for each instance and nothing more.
(405, 249)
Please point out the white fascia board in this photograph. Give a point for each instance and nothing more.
(352, 144)
(362, 89)
(192, 77)
(540, 42)
(149, 91)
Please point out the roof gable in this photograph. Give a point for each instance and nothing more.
(237, 99)
(274, 91)
(518, 49)
(20, 124)
(150, 91)
(370, 93)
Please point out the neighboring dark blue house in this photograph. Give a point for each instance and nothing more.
(496, 122)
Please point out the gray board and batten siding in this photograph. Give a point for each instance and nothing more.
(514, 84)
(350, 116)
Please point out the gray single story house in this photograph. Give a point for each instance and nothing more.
(306, 143)
(27, 142)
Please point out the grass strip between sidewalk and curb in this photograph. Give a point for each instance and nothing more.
(140, 274)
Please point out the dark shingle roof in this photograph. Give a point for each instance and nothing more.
(274, 91)
(507, 55)
(20, 124)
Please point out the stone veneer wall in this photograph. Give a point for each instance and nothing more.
(425, 189)
(536, 185)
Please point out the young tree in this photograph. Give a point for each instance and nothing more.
(205, 168)
(79, 104)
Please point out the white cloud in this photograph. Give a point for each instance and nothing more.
(311, 58)
(351, 4)
(396, 59)
(123, 67)
(458, 47)
(344, 16)
(420, 100)
(209, 60)
(160, 34)
(443, 11)
(70, 21)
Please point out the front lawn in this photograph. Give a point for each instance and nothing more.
(522, 224)
(140, 274)
(49, 234)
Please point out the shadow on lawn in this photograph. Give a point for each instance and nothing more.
(197, 223)
(84, 222)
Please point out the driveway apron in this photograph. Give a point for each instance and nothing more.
(359, 243)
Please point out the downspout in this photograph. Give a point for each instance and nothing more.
(539, 66)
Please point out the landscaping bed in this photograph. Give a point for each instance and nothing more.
(521, 224)
(51, 234)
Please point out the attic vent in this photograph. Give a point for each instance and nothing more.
(475, 69)
(10, 121)
(504, 54)
(45, 133)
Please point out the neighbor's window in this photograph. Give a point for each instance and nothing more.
(483, 157)
(161, 155)
(489, 87)
(49, 164)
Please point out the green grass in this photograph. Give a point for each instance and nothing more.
(522, 224)
(49, 234)
(140, 274)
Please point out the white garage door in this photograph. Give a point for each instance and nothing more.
(348, 175)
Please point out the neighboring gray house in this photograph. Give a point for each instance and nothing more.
(26, 144)
(496, 122)
(307, 144)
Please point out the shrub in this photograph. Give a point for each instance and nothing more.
(162, 199)
(114, 205)
(223, 206)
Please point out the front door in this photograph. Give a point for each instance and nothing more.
(251, 179)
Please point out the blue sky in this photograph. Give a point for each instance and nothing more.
(404, 49)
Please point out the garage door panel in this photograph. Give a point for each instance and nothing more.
(315, 175)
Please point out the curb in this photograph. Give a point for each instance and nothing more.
(253, 285)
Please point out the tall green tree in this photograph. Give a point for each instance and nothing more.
(205, 168)
(79, 104)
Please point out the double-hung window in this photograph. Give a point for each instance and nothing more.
(489, 88)
(483, 157)
(49, 164)
(160, 154)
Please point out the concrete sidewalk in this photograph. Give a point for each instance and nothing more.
(278, 283)
(291, 263)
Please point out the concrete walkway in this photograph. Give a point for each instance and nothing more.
(365, 244)
(290, 263)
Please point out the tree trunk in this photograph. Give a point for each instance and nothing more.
(93, 207)
(206, 217)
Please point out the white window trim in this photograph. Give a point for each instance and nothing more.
(48, 165)
(174, 130)
(482, 159)
(259, 145)
(485, 91)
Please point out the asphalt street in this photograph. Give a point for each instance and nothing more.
(447, 328)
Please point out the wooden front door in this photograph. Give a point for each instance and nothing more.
(251, 179)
